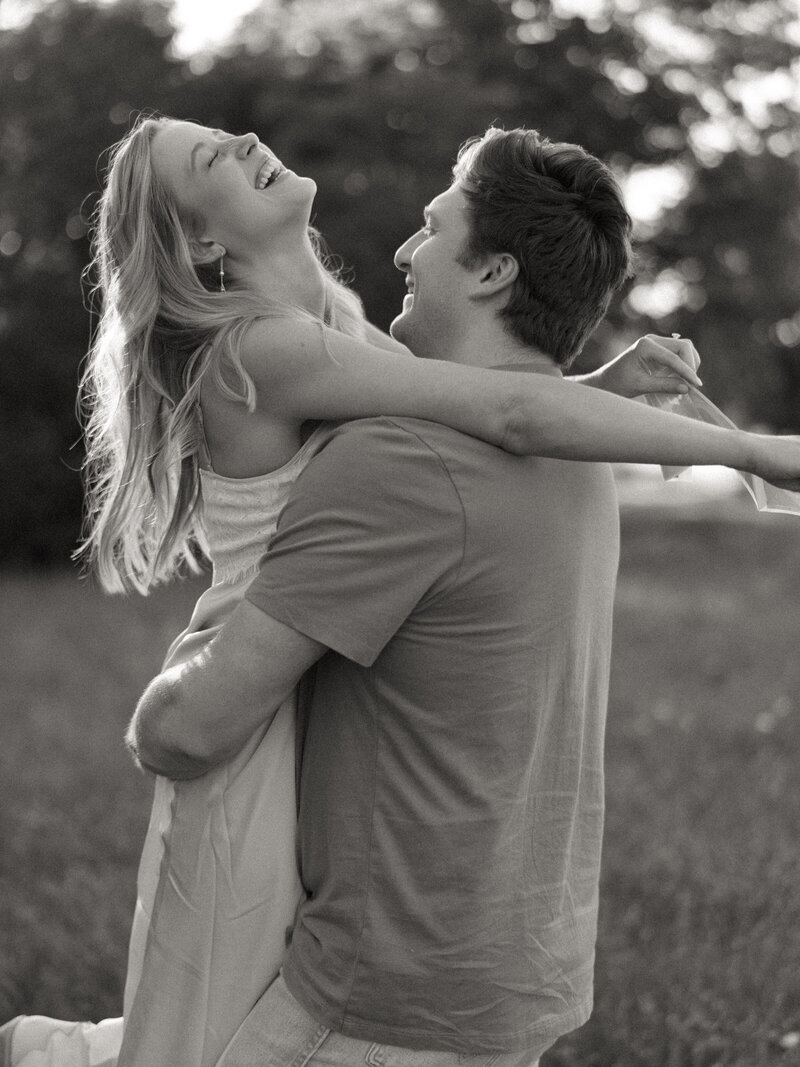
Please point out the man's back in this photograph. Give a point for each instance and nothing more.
(452, 787)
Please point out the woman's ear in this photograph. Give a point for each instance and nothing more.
(204, 251)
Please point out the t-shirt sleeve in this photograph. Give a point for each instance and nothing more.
(373, 526)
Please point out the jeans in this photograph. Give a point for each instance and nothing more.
(278, 1032)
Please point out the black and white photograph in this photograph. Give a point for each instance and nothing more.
(401, 560)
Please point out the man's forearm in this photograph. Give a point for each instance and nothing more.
(186, 722)
(198, 715)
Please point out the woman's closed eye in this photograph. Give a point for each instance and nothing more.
(213, 158)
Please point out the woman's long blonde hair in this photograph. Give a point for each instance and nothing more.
(163, 326)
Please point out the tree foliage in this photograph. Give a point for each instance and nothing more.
(372, 101)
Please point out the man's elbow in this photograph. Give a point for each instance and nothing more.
(169, 761)
(156, 747)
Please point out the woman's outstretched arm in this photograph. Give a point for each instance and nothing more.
(652, 364)
(302, 371)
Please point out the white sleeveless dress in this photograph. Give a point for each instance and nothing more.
(218, 884)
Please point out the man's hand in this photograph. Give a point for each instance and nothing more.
(195, 716)
(651, 365)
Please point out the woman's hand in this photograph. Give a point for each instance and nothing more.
(651, 365)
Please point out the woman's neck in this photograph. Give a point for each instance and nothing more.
(291, 276)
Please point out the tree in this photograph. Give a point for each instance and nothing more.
(68, 82)
(704, 90)
(372, 98)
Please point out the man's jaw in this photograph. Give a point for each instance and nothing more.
(399, 327)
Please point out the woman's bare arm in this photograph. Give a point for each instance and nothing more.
(385, 341)
(302, 371)
(652, 364)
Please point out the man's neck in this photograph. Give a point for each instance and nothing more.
(536, 362)
(500, 350)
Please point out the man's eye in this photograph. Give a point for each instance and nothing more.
(427, 229)
(213, 158)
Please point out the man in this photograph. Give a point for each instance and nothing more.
(457, 601)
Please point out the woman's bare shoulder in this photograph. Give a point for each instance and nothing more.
(279, 336)
(276, 351)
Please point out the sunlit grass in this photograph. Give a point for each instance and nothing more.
(73, 810)
(699, 940)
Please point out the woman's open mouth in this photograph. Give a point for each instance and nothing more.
(267, 174)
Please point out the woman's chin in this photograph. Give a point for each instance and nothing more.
(298, 182)
(300, 191)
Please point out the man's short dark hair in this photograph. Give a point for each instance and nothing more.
(559, 211)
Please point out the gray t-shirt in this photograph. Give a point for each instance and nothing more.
(451, 800)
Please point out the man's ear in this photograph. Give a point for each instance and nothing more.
(496, 273)
(203, 251)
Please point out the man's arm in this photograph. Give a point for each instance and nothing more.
(351, 558)
(197, 715)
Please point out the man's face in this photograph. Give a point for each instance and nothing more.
(439, 286)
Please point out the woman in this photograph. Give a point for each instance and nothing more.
(222, 334)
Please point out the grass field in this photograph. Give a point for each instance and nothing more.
(698, 960)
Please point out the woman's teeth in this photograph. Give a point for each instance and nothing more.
(267, 174)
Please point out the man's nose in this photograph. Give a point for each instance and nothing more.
(402, 257)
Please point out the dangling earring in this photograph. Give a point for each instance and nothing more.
(222, 273)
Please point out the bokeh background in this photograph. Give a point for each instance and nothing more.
(695, 104)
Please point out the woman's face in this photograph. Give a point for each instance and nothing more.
(236, 189)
